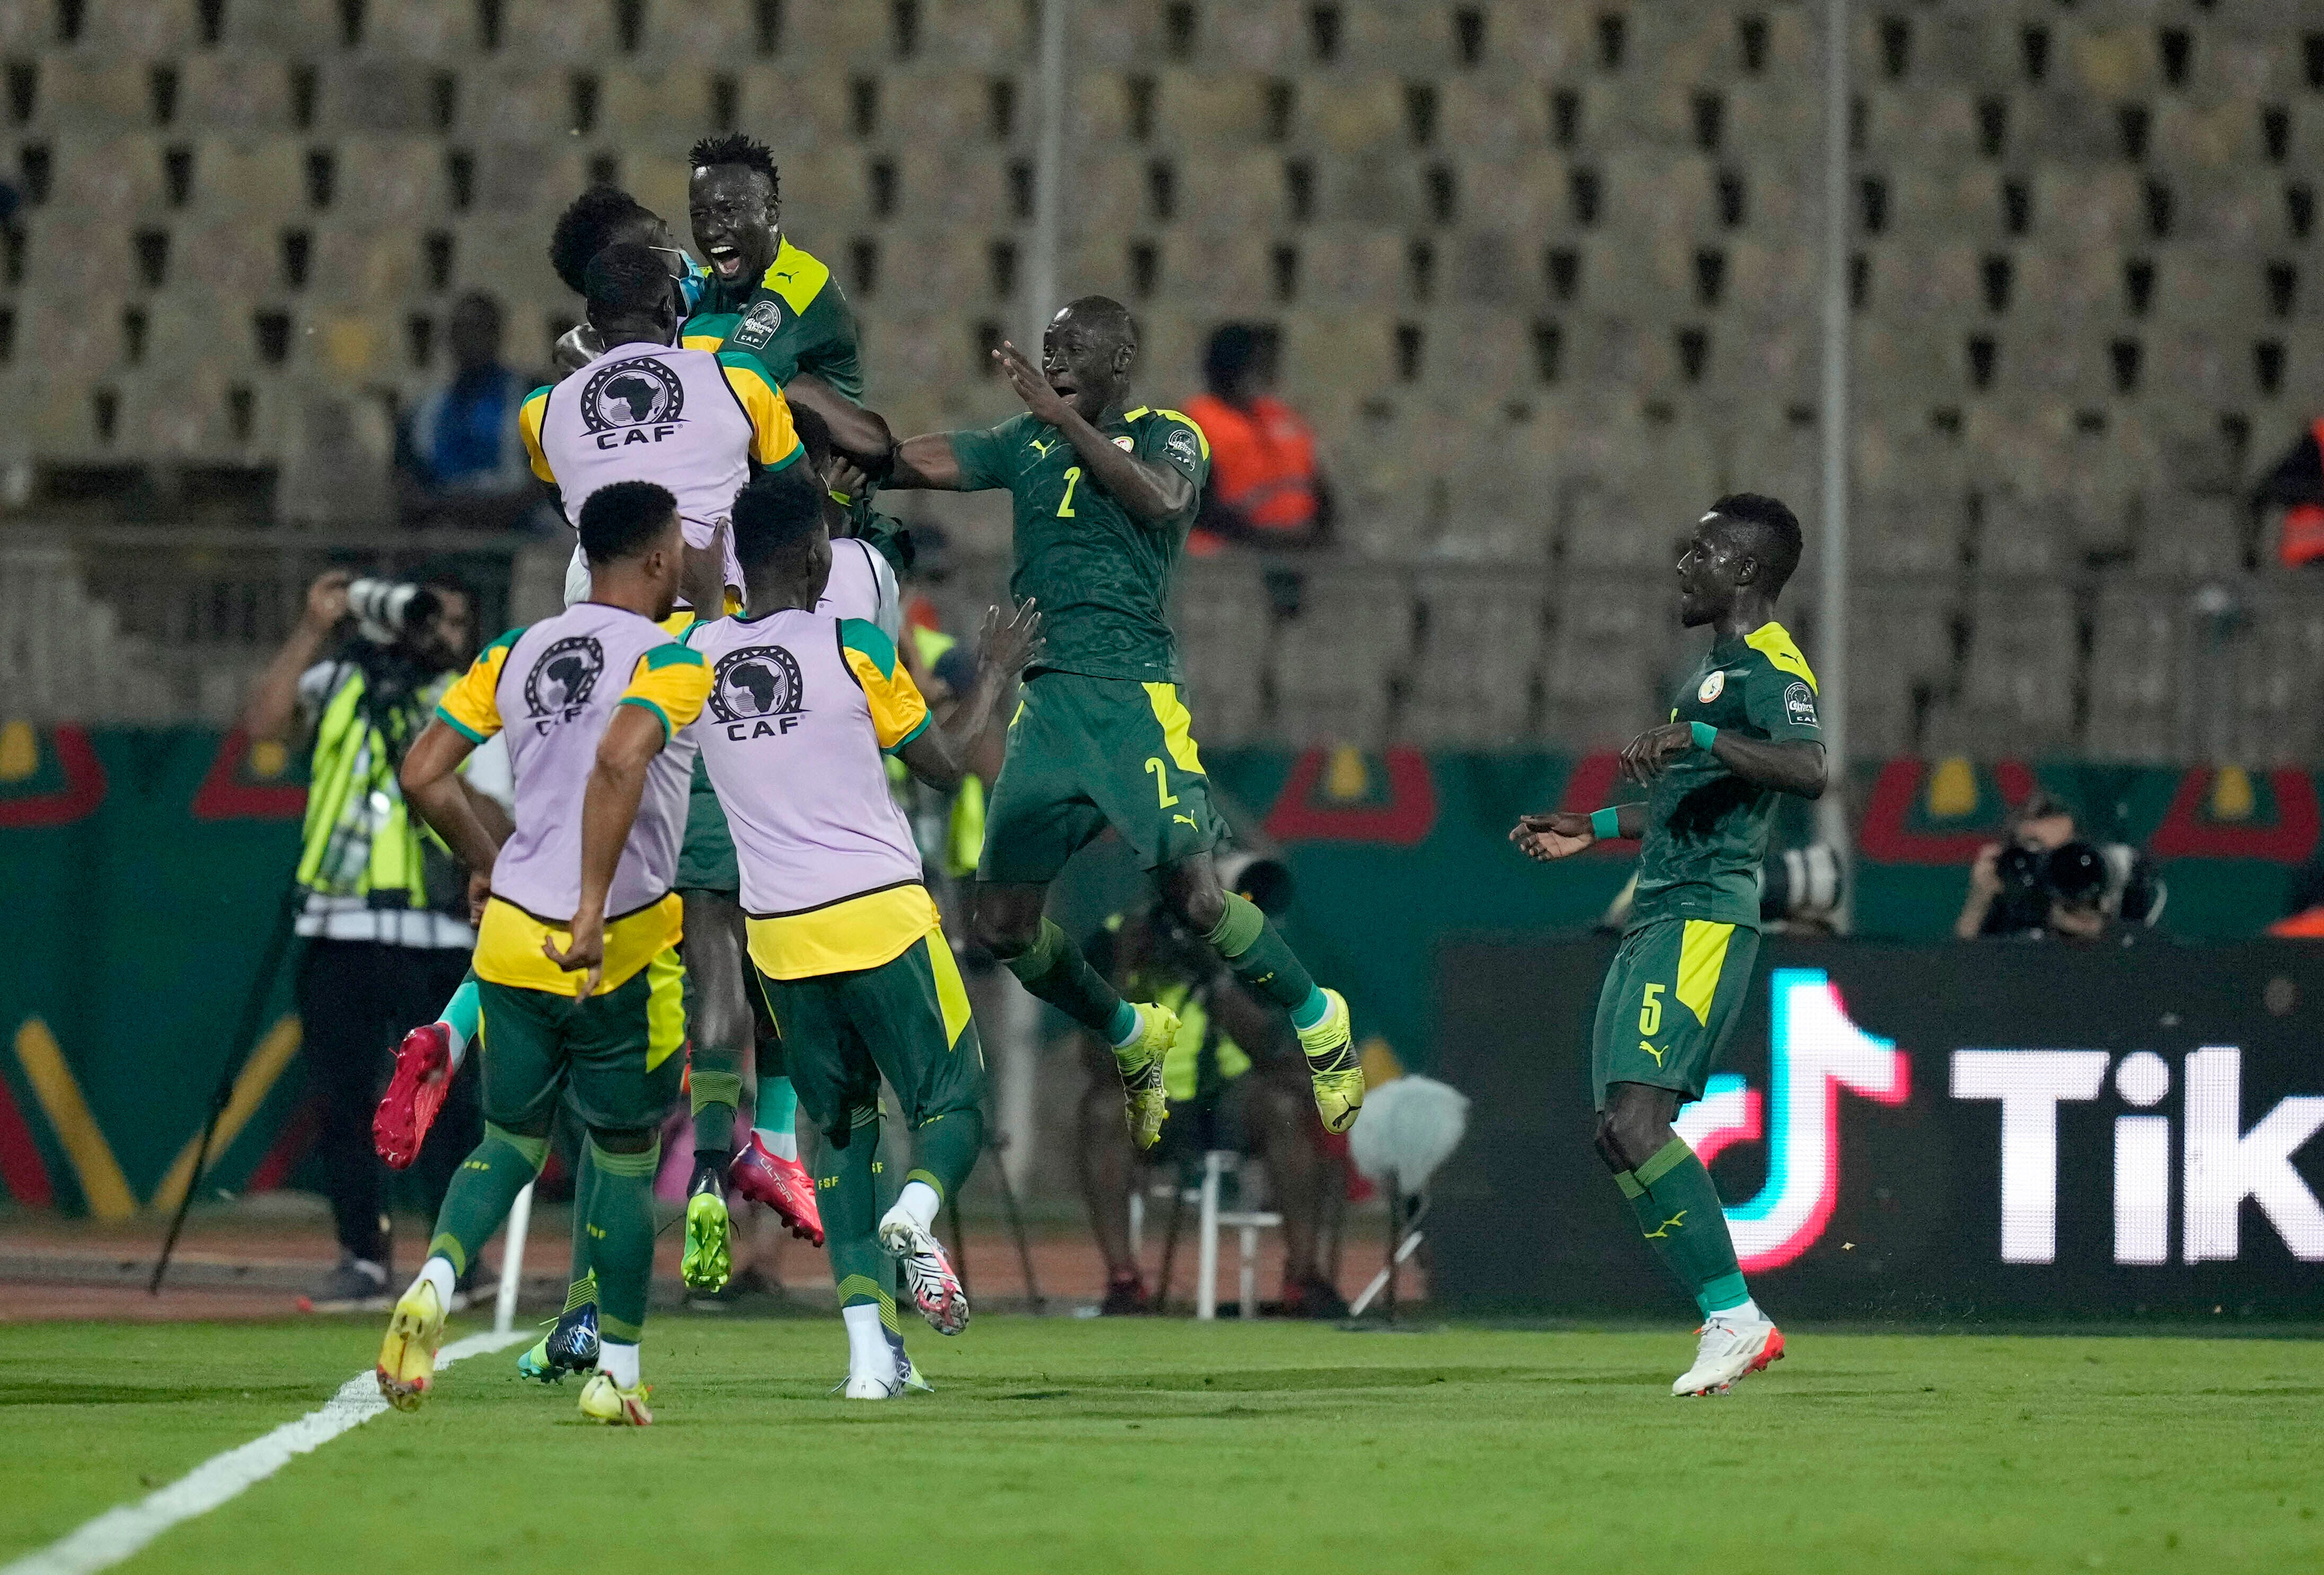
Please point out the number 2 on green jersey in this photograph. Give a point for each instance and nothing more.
(1161, 780)
(1066, 504)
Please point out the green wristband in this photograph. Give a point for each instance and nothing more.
(1606, 825)
(1705, 734)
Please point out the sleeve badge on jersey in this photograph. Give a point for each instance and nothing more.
(1799, 704)
(1180, 446)
(757, 329)
(1124, 443)
(1714, 685)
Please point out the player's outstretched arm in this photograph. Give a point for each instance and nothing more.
(609, 807)
(432, 787)
(1791, 765)
(939, 756)
(926, 462)
(1563, 833)
(860, 433)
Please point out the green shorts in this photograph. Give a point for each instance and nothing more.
(907, 1021)
(706, 859)
(1086, 753)
(615, 1055)
(1670, 1002)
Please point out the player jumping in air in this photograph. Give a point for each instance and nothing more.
(843, 935)
(1742, 731)
(1102, 497)
(577, 1005)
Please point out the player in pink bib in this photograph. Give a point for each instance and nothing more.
(842, 932)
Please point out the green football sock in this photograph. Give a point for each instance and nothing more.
(585, 1186)
(848, 1192)
(1260, 957)
(1054, 969)
(945, 1150)
(620, 1227)
(482, 1189)
(1678, 1211)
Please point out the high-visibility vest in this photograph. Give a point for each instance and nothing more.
(1262, 460)
(2303, 523)
(359, 840)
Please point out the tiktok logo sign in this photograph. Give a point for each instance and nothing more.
(1814, 1052)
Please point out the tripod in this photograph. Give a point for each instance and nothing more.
(238, 1056)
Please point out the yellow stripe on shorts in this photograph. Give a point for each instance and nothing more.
(665, 1006)
(1702, 954)
(1178, 727)
(952, 995)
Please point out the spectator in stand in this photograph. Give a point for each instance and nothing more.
(1265, 489)
(459, 460)
(2296, 486)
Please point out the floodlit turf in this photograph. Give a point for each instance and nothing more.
(1164, 1446)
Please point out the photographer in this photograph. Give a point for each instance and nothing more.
(2045, 880)
(1254, 1101)
(385, 914)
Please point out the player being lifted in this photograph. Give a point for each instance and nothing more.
(843, 935)
(576, 1005)
(1102, 497)
(1742, 731)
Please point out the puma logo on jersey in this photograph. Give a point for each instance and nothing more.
(1185, 820)
(1041, 448)
(1675, 1223)
(1650, 1050)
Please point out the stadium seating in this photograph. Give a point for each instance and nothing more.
(1546, 277)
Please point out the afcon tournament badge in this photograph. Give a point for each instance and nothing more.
(558, 686)
(1714, 685)
(756, 681)
(756, 331)
(639, 392)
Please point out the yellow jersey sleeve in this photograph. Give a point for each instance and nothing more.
(471, 707)
(900, 712)
(774, 441)
(671, 682)
(529, 417)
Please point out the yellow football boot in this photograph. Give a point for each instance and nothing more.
(406, 1357)
(1333, 1067)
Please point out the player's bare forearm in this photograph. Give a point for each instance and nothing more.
(1786, 765)
(860, 433)
(1155, 493)
(432, 790)
(926, 462)
(702, 580)
(274, 696)
(1560, 834)
(939, 756)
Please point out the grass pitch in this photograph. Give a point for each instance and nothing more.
(1140, 1446)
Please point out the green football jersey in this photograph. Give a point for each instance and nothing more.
(794, 318)
(1706, 827)
(1103, 577)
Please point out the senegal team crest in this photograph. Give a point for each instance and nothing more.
(757, 692)
(641, 393)
(1713, 686)
(562, 677)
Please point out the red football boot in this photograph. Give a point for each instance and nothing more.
(415, 1093)
(782, 1185)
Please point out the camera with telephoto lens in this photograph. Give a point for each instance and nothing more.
(385, 611)
(2112, 877)
(1802, 885)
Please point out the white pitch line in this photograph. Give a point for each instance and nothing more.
(118, 1533)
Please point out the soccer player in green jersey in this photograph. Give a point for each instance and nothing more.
(1742, 731)
(764, 295)
(1102, 496)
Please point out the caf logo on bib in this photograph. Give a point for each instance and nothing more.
(759, 680)
(558, 686)
(1713, 686)
(642, 392)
